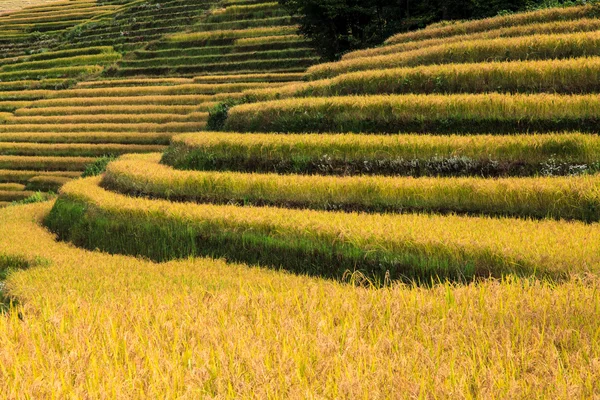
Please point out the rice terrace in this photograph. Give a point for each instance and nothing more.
(281, 200)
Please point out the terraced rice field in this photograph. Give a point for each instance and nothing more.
(416, 220)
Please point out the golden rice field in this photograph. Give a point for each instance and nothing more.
(191, 206)
(12, 5)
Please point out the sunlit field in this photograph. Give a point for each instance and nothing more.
(194, 205)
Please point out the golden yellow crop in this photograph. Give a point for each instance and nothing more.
(14, 187)
(104, 127)
(555, 27)
(134, 100)
(12, 5)
(568, 198)
(469, 27)
(134, 82)
(530, 148)
(264, 77)
(158, 138)
(112, 109)
(74, 149)
(233, 34)
(578, 75)
(187, 89)
(268, 39)
(23, 176)
(473, 113)
(435, 244)
(108, 118)
(45, 163)
(199, 328)
(534, 47)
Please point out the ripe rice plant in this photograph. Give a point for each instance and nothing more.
(11, 187)
(112, 109)
(127, 91)
(62, 72)
(134, 82)
(108, 118)
(134, 100)
(560, 198)
(535, 47)
(74, 149)
(104, 127)
(570, 76)
(253, 41)
(24, 95)
(266, 77)
(112, 295)
(414, 155)
(23, 176)
(557, 27)
(489, 113)
(39, 163)
(85, 60)
(323, 243)
(470, 27)
(142, 138)
(215, 36)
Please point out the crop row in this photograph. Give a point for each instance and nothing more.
(10, 196)
(134, 137)
(229, 35)
(415, 155)
(167, 100)
(535, 47)
(188, 60)
(23, 176)
(74, 149)
(49, 163)
(473, 113)
(104, 127)
(95, 59)
(114, 109)
(109, 118)
(561, 198)
(583, 25)
(324, 243)
(580, 75)
(196, 88)
(251, 66)
(62, 72)
(470, 27)
(245, 308)
(569, 76)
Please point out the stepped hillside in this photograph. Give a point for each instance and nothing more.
(418, 219)
(124, 81)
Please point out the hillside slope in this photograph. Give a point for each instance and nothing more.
(415, 220)
(60, 113)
